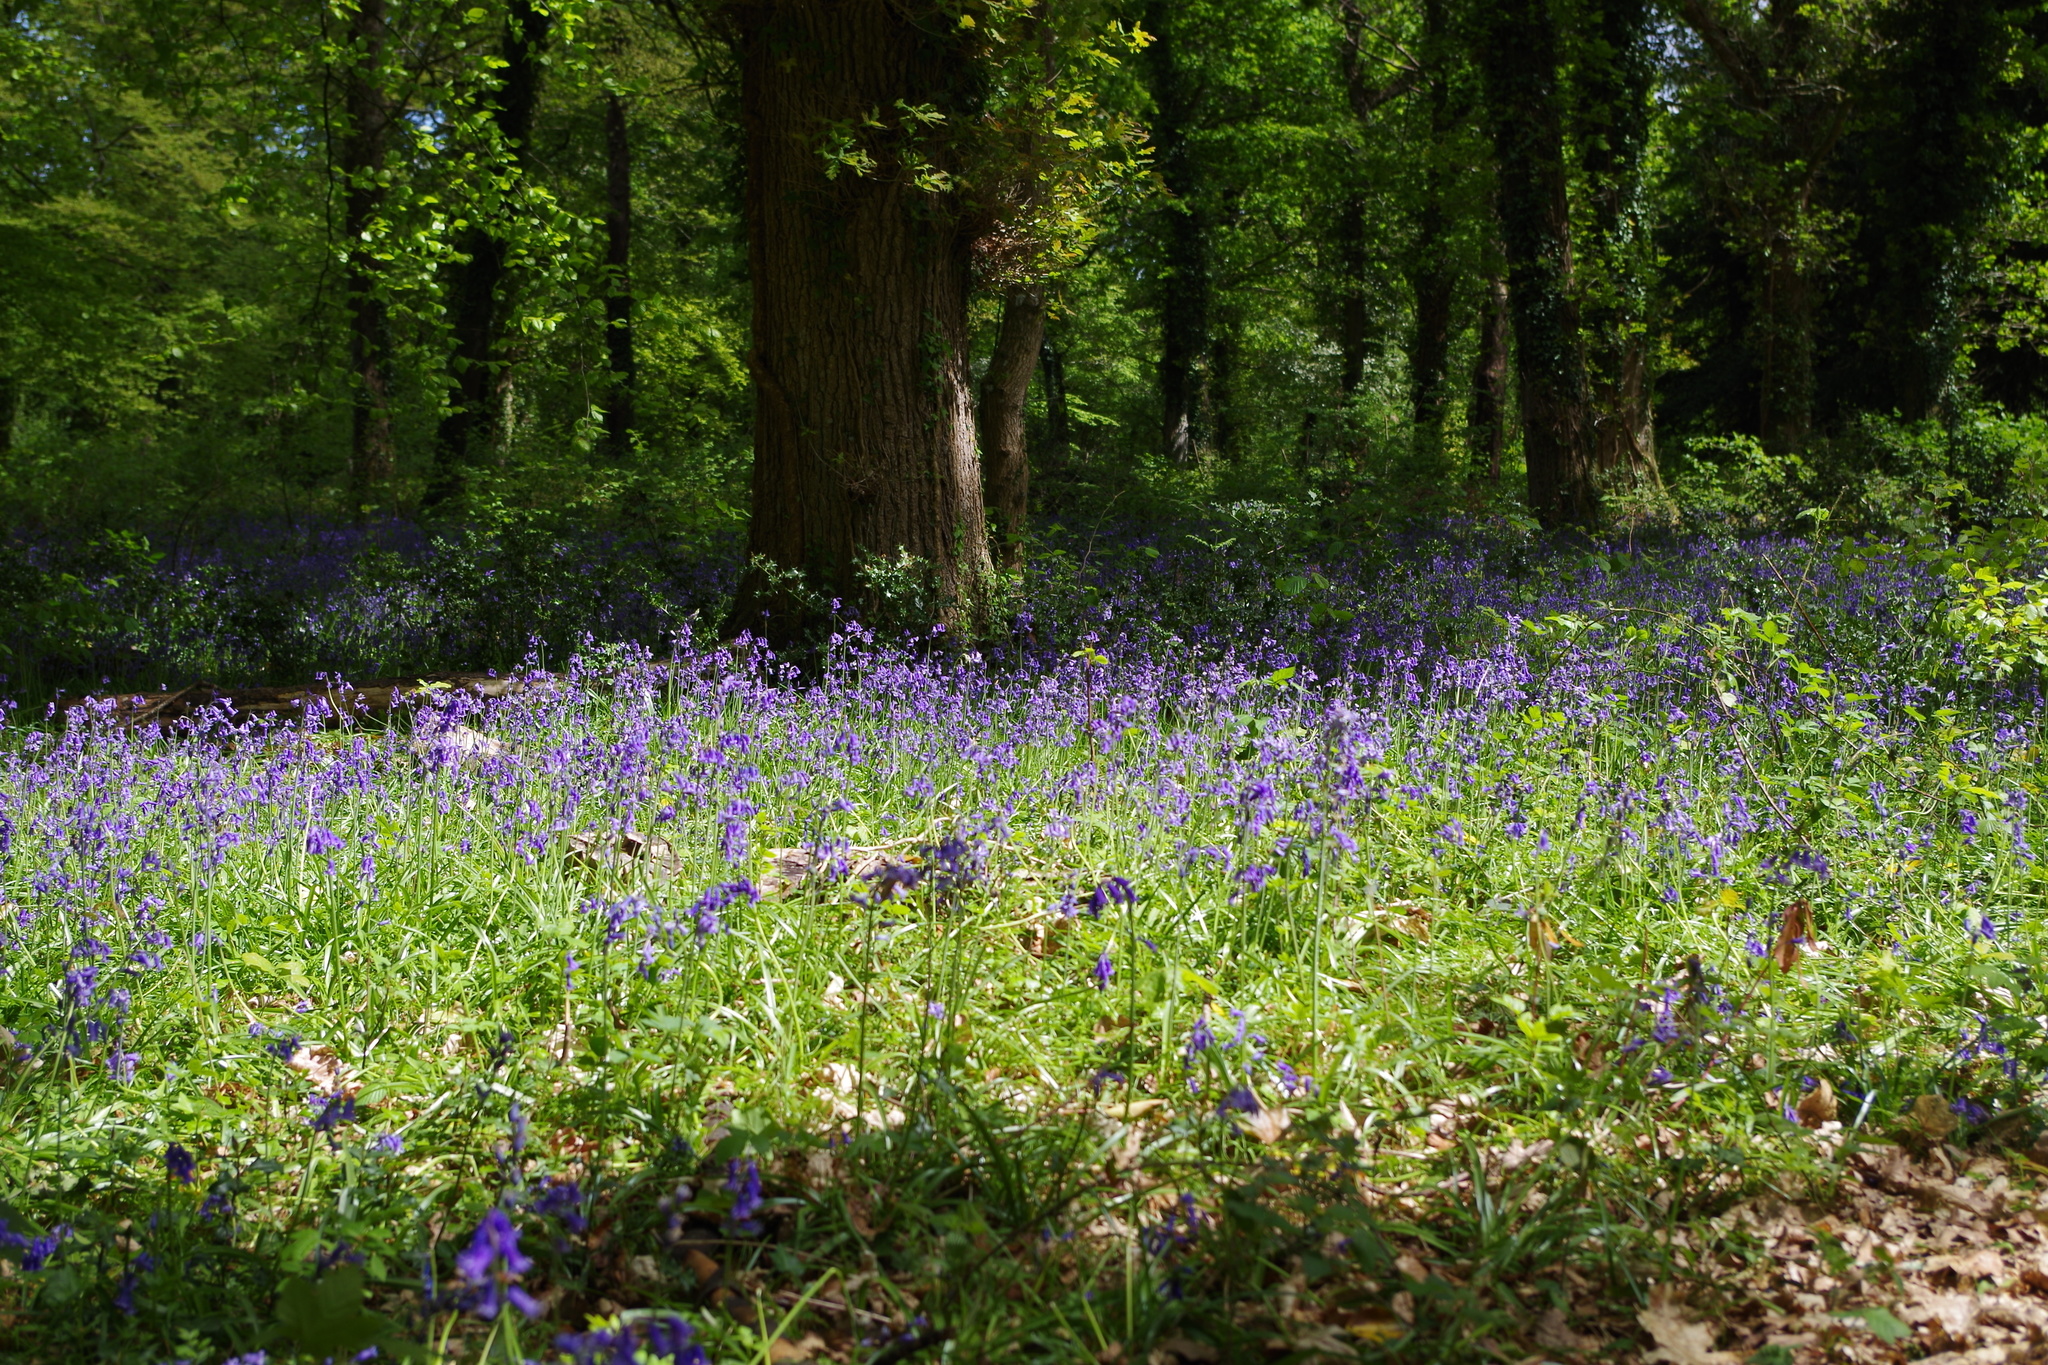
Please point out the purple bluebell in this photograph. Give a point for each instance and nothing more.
(492, 1264)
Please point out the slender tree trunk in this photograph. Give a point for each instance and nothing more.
(618, 261)
(1052, 369)
(1790, 109)
(1520, 60)
(1785, 346)
(10, 400)
(360, 159)
(477, 424)
(1615, 72)
(1434, 274)
(1365, 98)
(864, 443)
(1353, 317)
(1490, 380)
(1184, 284)
(1005, 461)
(1430, 359)
(1226, 353)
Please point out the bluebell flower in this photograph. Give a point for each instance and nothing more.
(1200, 1037)
(743, 1182)
(491, 1266)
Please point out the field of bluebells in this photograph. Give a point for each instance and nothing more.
(1136, 985)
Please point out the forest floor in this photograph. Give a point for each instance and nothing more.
(1458, 951)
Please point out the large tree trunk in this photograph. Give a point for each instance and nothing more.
(618, 295)
(1520, 61)
(1490, 381)
(1005, 461)
(476, 424)
(1184, 282)
(863, 415)
(1616, 71)
(369, 112)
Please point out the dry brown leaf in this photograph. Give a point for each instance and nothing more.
(1268, 1125)
(1128, 1110)
(1317, 1341)
(2034, 1275)
(1797, 928)
(787, 867)
(1818, 1106)
(324, 1069)
(1930, 1120)
(458, 747)
(1954, 1314)
(1982, 1355)
(1553, 1333)
(624, 852)
(1182, 1351)
(1680, 1340)
(804, 1348)
(1968, 1267)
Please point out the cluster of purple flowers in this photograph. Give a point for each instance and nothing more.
(35, 1251)
(665, 1337)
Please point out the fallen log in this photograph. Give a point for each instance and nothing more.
(342, 702)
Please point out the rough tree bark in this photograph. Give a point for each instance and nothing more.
(369, 112)
(1184, 283)
(480, 368)
(618, 295)
(1519, 61)
(1615, 73)
(1005, 460)
(1489, 420)
(863, 419)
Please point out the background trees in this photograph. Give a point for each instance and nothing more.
(1572, 259)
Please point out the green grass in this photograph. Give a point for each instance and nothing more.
(972, 1141)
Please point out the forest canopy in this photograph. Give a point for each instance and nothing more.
(1575, 260)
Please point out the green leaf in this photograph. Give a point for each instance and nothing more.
(326, 1317)
(1880, 1322)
